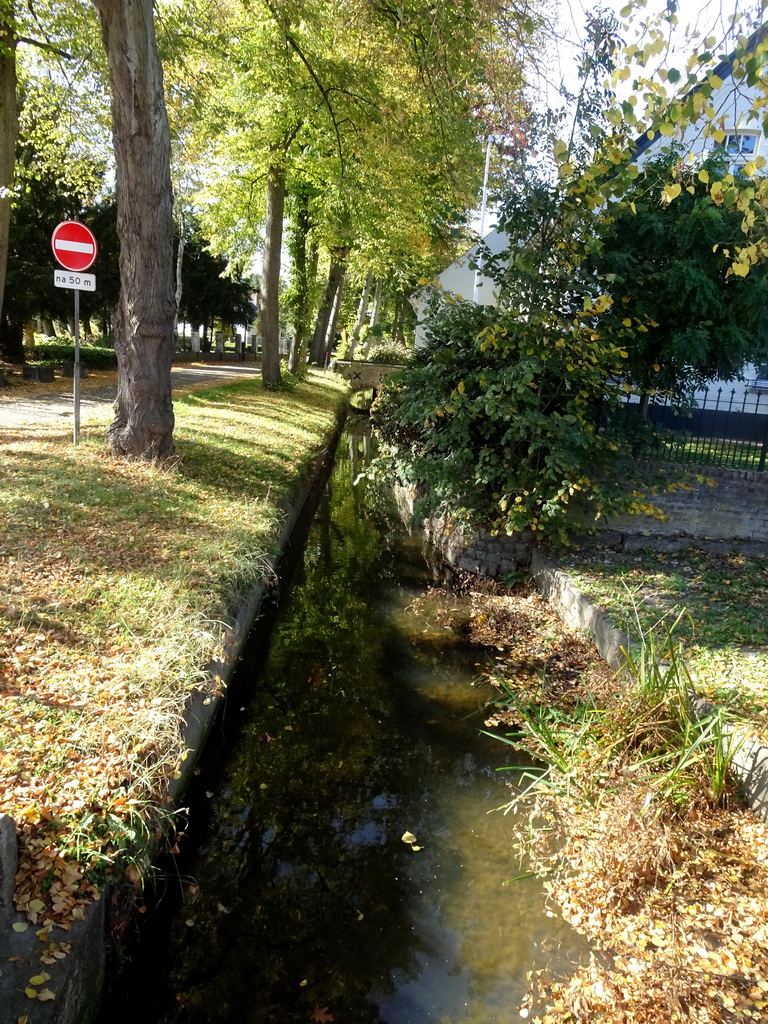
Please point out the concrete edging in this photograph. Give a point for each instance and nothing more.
(77, 980)
(750, 757)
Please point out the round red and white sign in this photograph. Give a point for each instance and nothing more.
(74, 245)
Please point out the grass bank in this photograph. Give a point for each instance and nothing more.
(116, 583)
(725, 634)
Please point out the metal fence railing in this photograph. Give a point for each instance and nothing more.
(724, 426)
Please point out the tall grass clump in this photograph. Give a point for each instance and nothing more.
(629, 817)
(645, 737)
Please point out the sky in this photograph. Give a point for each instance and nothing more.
(697, 18)
(705, 17)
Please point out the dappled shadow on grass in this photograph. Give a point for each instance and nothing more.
(212, 463)
(116, 580)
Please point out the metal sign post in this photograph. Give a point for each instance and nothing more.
(74, 246)
(76, 373)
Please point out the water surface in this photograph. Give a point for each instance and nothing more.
(301, 901)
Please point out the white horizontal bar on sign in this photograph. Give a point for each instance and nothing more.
(67, 246)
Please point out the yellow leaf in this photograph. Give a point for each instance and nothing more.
(740, 269)
(656, 367)
(39, 979)
(460, 388)
(46, 995)
(30, 993)
(703, 175)
(36, 906)
(749, 168)
(718, 135)
(20, 926)
(408, 837)
(672, 191)
(666, 129)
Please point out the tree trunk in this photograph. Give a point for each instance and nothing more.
(179, 267)
(375, 314)
(301, 268)
(333, 319)
(270, 279)
(144, 320)
(362, 310)
(376, 311)
(9, 131)
(317, 350)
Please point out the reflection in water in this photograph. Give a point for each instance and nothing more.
(364, 725)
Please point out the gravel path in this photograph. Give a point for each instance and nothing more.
(31, 410)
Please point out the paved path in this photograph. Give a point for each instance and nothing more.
(35, 410)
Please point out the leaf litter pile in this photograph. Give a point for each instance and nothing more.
(668, 883)
(116, 584)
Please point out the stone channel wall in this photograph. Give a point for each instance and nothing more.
(478, 551)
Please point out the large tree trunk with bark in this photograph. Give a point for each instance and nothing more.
(270, 280)
(9, 131)
(317, 349)
(145, 317)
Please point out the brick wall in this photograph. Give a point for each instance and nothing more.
(730, 504)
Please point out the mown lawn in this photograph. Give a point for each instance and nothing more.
(116, 584)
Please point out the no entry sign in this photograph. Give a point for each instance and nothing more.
(74, 245)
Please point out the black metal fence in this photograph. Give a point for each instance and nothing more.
(725, 426)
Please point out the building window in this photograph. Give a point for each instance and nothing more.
(743, 144)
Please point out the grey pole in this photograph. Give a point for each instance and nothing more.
(76, 370)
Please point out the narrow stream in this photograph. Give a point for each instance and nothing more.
(300, 900)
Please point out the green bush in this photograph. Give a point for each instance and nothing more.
(499, 419)
(93, 357)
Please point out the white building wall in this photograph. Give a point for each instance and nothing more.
(461, 282)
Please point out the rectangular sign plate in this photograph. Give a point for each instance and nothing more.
(73, 279)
